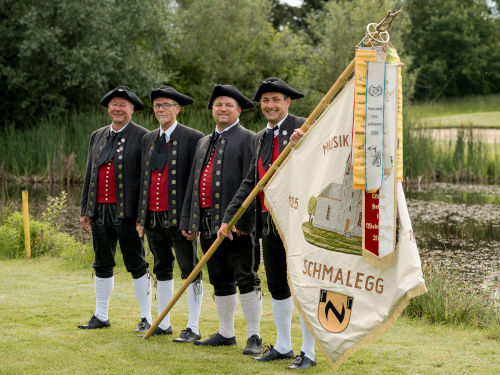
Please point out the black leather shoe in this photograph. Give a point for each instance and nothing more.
(160, 331)
(217, 340)
(187, 335)
(142, 326)
(301, 362)
(254, 345)
(272, 354)
(94, 323)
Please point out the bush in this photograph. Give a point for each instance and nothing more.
(448, 301)
(45, 239)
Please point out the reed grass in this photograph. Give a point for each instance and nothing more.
(55, 149)
(465, 159)
(450, 301)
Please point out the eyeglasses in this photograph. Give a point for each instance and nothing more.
(164, 105)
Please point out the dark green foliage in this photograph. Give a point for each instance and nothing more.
(455, 44)
(294, 17)
(60, 54)
(229, 42)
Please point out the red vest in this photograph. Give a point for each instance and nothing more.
(262, 171)
(158, 189)
(106, 192)
(206, 183)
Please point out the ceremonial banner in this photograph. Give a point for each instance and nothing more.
(374, 124)
(393, 58)
(363, 55)
(379, 215)
(345, 301)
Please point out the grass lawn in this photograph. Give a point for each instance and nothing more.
(43, 300)
(477, 120)
(478, 111)
(454, 106)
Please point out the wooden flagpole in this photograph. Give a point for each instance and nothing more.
(323, 104)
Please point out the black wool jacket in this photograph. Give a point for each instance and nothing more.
(231, 162)
(127, 170)
(181, 148)
(252, 178)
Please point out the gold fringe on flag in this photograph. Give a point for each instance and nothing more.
(358, 150)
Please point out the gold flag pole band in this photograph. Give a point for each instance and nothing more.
(323, 104)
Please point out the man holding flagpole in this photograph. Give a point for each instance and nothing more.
(221, 162)
(274, 96)
(167, 157)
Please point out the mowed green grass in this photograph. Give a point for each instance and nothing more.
(476, 120)
(476, 111)
(43, 300)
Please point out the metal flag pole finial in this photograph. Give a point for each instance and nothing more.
(376, 33)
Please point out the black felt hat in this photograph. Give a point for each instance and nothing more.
(122, 92)
(232, 92)
(274, 84)
(170, 92)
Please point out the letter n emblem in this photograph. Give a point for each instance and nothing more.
(334, 311)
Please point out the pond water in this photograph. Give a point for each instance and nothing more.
(456, 226)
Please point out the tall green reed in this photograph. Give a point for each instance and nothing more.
(55, 149)
(466, 159)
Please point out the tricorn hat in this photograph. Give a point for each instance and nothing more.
(274, 84)
(170, 92)
(232, 92)
(122, 92)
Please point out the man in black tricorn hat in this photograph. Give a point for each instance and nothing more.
(109, 204)
(167, 156)
(220, 163)
(274, 96)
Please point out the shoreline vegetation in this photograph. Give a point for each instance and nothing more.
(55, 150)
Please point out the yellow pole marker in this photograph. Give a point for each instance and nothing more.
(27, 243)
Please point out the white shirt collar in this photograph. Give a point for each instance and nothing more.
(229, 127)
(111, 130)
(169, 131)
(276, 132)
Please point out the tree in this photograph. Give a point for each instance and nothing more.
(311, 207)
(59, 54)
(229, 42)
(336, 31)
(285, 15)
(456, 46)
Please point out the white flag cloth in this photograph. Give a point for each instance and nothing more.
(345, 301)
